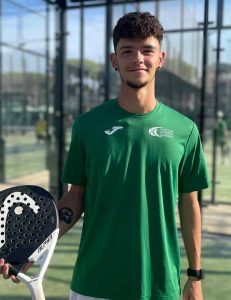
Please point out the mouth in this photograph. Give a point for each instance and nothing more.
(138, 70)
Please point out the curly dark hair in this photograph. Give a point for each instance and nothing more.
(137, 25)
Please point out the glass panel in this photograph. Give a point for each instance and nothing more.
(23, 106)
(73, 54)
(178, 82)
(209, 108)
(93, 63)
(213, 12)
(94, 56)
(17, 26)
(226, 14)
(223, 174)
(24, 94)
(179, 14)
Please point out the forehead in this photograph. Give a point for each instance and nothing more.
(138, 43)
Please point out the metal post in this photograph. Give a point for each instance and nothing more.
(2, 142)
(47, 83)
(137, 6)
(108, 49)
(204, 74)
(204, 70)
(60, 94)
(81, 63)
(157, 8)
(216, 93)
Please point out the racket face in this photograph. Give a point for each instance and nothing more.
(28, 217)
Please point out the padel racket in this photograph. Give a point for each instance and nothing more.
(28, 232)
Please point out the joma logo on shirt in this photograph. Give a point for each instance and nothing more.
(113, 130)
(161, 132)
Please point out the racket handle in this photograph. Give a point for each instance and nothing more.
(36, 289)
(14, 270)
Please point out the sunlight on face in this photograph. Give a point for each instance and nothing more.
(137, 61)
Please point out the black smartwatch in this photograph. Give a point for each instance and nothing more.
(199, 274)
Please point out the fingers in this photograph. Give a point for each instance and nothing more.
(27, 266)
(4, 270)
(14, 279)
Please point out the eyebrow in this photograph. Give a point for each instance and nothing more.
(131, 47)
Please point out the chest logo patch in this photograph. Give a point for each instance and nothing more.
(161, 132)
(113, 130)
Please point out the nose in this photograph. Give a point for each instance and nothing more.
(138, 57)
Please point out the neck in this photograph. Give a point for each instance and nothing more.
(138, 101)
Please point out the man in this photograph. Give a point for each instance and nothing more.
(222, 136)
(128, 160)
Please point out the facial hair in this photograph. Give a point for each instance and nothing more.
(136, 86)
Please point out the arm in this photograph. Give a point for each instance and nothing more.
(190, 218)
(70, 208)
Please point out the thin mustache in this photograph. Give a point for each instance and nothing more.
(138, 69)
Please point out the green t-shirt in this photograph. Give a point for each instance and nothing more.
(220, 131)
(133, 166)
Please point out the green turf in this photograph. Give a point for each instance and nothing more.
(216, 262)
(223, 175)
(217, 265)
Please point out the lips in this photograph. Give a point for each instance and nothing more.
(137, 70)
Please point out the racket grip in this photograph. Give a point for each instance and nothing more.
(15, 270)
(36, 289)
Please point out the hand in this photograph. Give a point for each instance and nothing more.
(192, 290)
(4, 270)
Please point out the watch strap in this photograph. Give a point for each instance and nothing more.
(199, 274)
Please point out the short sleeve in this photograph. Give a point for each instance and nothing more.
(74, 169)
(193, 175)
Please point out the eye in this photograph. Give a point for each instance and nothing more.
(126, 52)
(148, 51)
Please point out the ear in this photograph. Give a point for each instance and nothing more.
(114, 61)
(161, 58)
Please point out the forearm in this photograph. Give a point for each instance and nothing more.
(70, 208)
(190, 218)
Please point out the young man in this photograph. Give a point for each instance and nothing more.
(222, 136)
(128, 160)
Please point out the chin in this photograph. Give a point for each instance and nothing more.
(136, 85)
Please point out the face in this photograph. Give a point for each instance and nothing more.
(137, 61)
